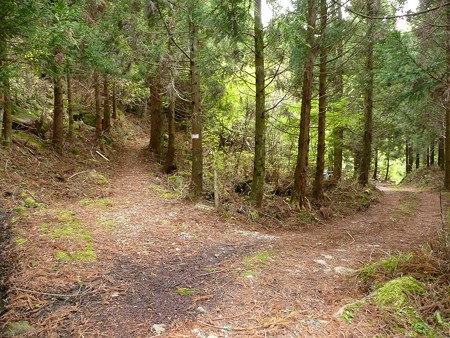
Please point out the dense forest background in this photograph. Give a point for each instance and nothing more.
(324, 90)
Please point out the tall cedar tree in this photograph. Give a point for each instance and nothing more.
(320, 163)
(197, 151)
(338, 131)
(300, 175)
(259, 162)
(366, 154)
(447, 109)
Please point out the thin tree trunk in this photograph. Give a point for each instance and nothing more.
(98, 112)
(411, 158)
(169, 164)
(368, 114)
(356, 162)
(106, 104)
(441, 152)
(407, 154)
(58, 115)
(196, 187)
(7, 104)
(257, 191)
(338, 132)
(156, 118)
(114, 101)
(69, 103)
(300, 177)
(320, 163)
(432, 153)
(428, 157)
(417, 160)
(388, 161)
(375, 170)
(7, 113)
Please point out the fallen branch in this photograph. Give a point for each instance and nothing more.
(103, 156)
(81, 172)
(52, 294)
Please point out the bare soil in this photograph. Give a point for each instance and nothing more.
(153, 251)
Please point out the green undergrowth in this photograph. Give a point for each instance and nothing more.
(407, 294)
(71, 234)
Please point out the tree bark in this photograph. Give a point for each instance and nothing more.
(447, 111)
(368, 98)
(58, 115)
(320, 162)
(169, 164)
(196, 187)
(98, 112)
(375, 169)
(106, 104)
(7, 113)
(156, 118)
(338, 132)
(69, 103)
(432, 153)
(388, 160)
(114, 101)
(411, 158)
(300, 176)
(428, 157)
(259, 163)
(7, 104)
(417, 160)
(441, 152)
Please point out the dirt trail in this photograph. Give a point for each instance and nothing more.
(150, 248)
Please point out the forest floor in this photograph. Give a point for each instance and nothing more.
(143, 262)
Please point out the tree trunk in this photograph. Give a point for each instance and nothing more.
(7, 104)
(320, 163)
(428, 157)
(388, 160)
(417, 160)
(197, 151)
(441, 152)
(156, 118)
(69, 103)
(432, 154)
(375, 169)
(338, 132)
(106, 104)
(114, 101)
(58, 115)
(368, 118)
(7, 113)
(169, 164)
(300, 177)
(411, 158)
(259, 163)
(447, 111)
(356, 162)
(98, 112)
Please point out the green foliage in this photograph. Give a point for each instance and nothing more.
(383, 268)
(395, 292)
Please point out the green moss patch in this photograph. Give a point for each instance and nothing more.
(395, 292)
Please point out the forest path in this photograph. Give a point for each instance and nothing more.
(154, 251)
